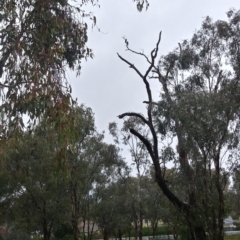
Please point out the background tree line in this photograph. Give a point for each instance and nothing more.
(95, 187)
(94, 195)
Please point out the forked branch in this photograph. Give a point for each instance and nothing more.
(152, 147)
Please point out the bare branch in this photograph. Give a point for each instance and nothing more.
(218, 81)
(180, 47)
(132, 114)
(152, 77)
(145, 142)
(4, 85)
(152, 148)
(159, 178)
(154, 103)
(130, 65)
(153, 55)
(139, 53)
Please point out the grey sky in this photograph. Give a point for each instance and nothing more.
(109, 86)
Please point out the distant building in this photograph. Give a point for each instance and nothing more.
(229, 224)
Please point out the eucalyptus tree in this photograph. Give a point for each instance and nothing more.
(47, 192)
(199, 109)
(39, 41)
(111, 211)
(93, 171)
(92, 165)
(139, 162)
(39, 201)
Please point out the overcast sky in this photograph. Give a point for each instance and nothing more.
(108, 85)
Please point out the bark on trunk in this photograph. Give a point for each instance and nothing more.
(75, 213)
(75, 229)
(46, 231)
(140, 223)
(46, 234)
(91, 233)
(119, 234)
(154, 227)
(220, 198)
(135, 229)
(200, 233)
(105, 234)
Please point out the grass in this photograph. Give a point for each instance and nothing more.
(232, 237)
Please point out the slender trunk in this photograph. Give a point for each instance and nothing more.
(175, 234)
(88, 228)
(74, 222)
(135, 229)
(105, 234)
(200, 233)
(46, 230)
(140, 223)
(90, 235)
(83, 228)
(75, 229)
(154, 227)
(75, 213)
(46, 234)
(220, 197)
(119, 234)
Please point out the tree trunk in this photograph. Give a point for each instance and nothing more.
(47, 226)
(200, 233)
(83, 228)
(154, 227)
(75, 229)
(105, 234)
(140, 223)
(119, 234)
(91, 233)
(46, 231)
(75, 213)
(136, 229)
(46, 234)
(220, 198)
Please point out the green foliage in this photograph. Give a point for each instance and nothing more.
(39, 40)
(17, 235)
(199, 106)
(162, 230)
(39, 191)
(199, 109)
(63, 232)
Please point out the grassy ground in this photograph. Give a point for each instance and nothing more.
(232, 237)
